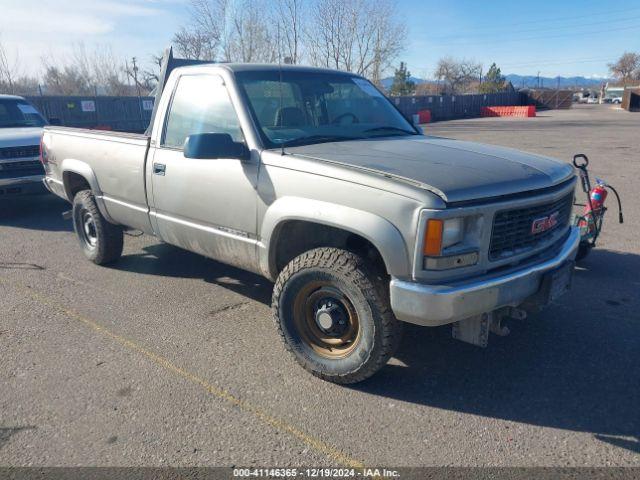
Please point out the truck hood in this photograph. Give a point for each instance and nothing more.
(453, 169)
(18, 137)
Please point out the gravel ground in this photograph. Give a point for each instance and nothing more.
(167, 358)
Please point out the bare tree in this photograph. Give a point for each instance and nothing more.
(289, 18)
(627, 68)
(66, 80)
(457, 75)
(206, 33)
(151, 76)
(381, 38)
(251, 40)
(195, 44)
(86, 73)
(331, 35)
(8, 71)
(361, 36)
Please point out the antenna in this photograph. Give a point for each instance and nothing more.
(280, 85)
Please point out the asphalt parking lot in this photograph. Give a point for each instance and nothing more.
(167, 358)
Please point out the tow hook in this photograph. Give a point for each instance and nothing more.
(67, 215)
(497, 327)
(475, 330)
(509, 312)
(516, 313)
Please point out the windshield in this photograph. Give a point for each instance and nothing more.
(18, 113)
(312, 107)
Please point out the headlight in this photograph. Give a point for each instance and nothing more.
(452, 232)
(441, 234)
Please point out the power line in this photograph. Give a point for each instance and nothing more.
(557, 62)
(544, 37)
(560, 19)
(534, 30)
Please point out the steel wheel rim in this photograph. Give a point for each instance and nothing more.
(326, 320)
(88, 229)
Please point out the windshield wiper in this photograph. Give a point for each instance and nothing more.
(391, 129)
(317, 139)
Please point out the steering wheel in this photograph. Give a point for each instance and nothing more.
(339, 118)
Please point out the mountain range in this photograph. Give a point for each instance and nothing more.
(520, 81)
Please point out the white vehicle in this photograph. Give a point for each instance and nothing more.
(617, 100)
(21, 172)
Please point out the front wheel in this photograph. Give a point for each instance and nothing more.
(100, 240)
(333, 314)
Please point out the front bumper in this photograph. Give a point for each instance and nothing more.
(31, 185)
(433, 305)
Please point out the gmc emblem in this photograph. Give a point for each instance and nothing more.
(543, 224)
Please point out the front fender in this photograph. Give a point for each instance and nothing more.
(377, 230)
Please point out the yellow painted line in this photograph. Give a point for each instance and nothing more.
(279, 424)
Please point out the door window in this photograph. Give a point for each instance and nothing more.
(200, 104)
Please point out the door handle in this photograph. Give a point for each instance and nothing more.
(159, 168)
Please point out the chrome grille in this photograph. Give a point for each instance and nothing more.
(512, 229)
(20, 152)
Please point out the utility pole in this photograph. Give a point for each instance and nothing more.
(135, 75)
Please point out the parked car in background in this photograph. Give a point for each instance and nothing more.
(616, 100)
(21, 172)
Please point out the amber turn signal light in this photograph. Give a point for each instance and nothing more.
(433, 238)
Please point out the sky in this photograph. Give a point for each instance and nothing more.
(553, 37)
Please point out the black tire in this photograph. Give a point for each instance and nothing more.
(353, 293)
(100, 240)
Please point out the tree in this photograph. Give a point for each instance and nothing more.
(402, 83)
(12, 80)
(203, 37)
(7, 71)
(251, 40)
(627, 68)
(87, 73)
(457, 75)
(493, 81)
(232, 31)
(66, 80)
(289, 18)
(361, 36)
(195, 44)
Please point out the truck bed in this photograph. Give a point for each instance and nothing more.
(114, 163)
(98, 134)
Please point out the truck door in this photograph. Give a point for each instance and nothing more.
(207, 206)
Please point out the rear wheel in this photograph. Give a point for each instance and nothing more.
(333, 314)
(100, 240)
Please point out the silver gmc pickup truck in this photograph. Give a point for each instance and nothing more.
(313, 179)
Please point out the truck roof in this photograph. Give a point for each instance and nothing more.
(266, 67)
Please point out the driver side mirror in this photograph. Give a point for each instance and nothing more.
(214, 145)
